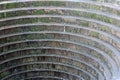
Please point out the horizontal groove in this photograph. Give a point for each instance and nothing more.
(67, 25)
(64, 50)
(55, 24)
(15, 57)
(87, 30)
(46, 77)
(79, 27)
(99, 31)
(63, 17)
(64, 24)
(55, 40)
(55, 16)
(112, 37)
(45, 62)
(91, 48)
(109, 47)
(40, 70)
(110, 16)
(90, 3)
(60, 17)
(84, 37)
(7, 44)
(72, 26)
(28, 40)
(61, 57)
(74, 68)
(116, 40)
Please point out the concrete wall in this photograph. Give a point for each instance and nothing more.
(59, 40)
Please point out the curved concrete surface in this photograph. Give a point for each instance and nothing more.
(60, 40)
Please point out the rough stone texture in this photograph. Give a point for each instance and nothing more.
(59, 40)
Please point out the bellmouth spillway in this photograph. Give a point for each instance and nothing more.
(59, 40)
